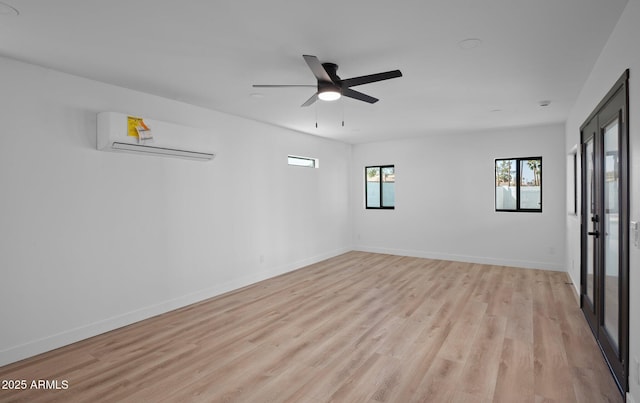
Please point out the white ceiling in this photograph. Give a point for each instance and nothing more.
(209, 53)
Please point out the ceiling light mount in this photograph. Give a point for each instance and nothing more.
(469, 43)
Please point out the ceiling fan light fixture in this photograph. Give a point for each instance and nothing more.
(329, 94)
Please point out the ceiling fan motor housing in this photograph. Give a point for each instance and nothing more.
(332, 71)
(324, 86)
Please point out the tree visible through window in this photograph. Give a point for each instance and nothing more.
(519, 184)
(380, 187)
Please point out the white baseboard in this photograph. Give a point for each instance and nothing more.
(32, 348)
(463, 258)
(630, 398)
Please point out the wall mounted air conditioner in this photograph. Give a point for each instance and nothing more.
(168, 139)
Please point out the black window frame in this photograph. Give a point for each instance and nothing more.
(366, 194)
(518, 181)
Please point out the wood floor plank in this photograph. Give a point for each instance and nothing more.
(516, 381)
(481, 368)
(439, 384)
(358, 327)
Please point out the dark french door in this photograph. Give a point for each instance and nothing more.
(604, 296)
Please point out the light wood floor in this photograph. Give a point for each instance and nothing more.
(360, 327)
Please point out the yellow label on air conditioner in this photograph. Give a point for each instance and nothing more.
(132, 125)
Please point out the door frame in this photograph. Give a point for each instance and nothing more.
(619, 366)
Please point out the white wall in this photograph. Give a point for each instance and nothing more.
(90, 240)
(619, 54)
(445, 188)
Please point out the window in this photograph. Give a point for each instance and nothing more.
(380, 187)
(519, 184)
(303, 161)
(572, 182)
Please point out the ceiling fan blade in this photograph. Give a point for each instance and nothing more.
(311, 100)
(283, 86)
(371, 78)
(317, 68)
(348, 92)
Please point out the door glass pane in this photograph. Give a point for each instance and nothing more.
(388, 187)
(373, 187)
(591, 205)
(611, 230)
(506, 185)
(530, 184)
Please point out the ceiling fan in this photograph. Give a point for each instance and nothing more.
(331, 87)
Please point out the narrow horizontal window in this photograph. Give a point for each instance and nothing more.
(303, 161)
